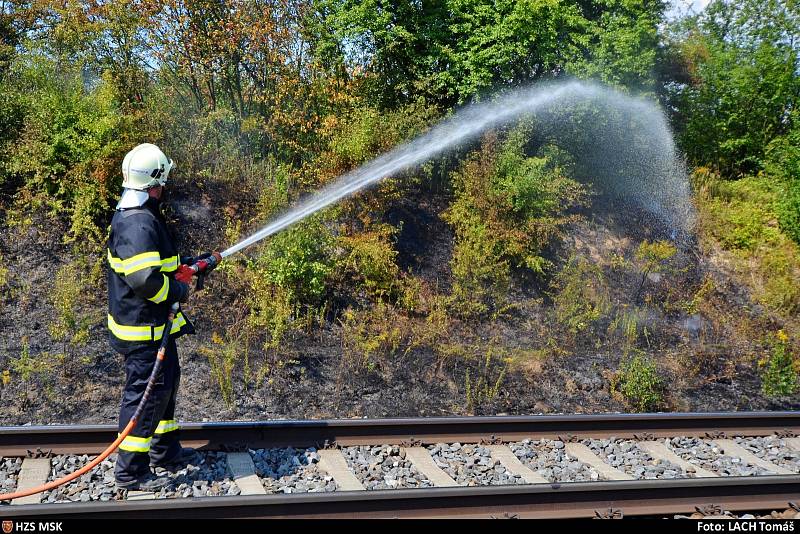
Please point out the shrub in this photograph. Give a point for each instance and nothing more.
(626, 324)
(639, 382)
(370, 258)
(271, 309)
(484, 384)
(740, 216)
(653, 257)
(69, 293)
(299, 260)
(779, 375)
(370, 337)
(788, 208)
(364, 132)
(224, 356)
(4, 279)
(71, 144)
(507, 208)
(580, 295)
(27, 366)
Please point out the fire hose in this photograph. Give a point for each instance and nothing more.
(199, 269)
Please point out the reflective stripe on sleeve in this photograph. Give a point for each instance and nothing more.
(161, 296)
(170, 264)
(134, 444)
(166, 425)
(134, 263)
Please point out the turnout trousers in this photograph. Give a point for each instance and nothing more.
(154, 439)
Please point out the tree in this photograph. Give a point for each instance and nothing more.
(451, 51)
(741, 61)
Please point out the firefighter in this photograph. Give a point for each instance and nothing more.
(141, 288)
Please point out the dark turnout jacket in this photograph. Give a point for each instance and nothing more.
(142, 259)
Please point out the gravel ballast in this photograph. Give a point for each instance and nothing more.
(384, 467)
(291, 470)
(705, 453)
(206, 477)
(9, 472)
(550, 460)
(773, 449)
(625, 455)
(471, 465)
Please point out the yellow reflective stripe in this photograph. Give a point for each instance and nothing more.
(134, 263)
(161, 296)
(143, 333)
(134, 444)
(141, 261)
(170, 264)
(179, 321)
(130, 333)
(166, 425)
(115, 263)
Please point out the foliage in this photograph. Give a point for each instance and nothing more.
(580, 295)
(69, 148)
(639, 382)
(370, 337)
(627, 324)
(370, 257)
(5, 278)
(271, 308)
(452, 51)
(653, 257)
(779, 372)
(69, 292)
(507, 209)
(740, 62)
(224, 357)
(28, 366)
(783, 162)
(739, 216)
(298, 261)
(485, 384)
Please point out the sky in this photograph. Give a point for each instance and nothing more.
(678, 7)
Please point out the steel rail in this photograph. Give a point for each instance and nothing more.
(90, 439)
(569, 500)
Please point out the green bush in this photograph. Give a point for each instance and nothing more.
(784, 164)
(507, 209)
(299, 260)
(580, 295)
(68, 293)
(653, 258)
(224, 358)
(371, 259)
(740, 216)
(364, 132)
(779, 374)
(69, 149)
(640, 383)
(483, 385)
(788, 209)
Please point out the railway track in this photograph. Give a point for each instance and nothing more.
(537, 466)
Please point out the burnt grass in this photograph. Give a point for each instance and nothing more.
(707, 359)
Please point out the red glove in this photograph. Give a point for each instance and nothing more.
(184, 274)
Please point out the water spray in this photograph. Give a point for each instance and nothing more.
(668, 198)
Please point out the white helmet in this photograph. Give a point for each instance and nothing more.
(144, 167)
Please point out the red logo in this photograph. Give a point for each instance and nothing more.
(8, 526)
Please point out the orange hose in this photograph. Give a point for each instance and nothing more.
(72, 476)
(160, 355)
